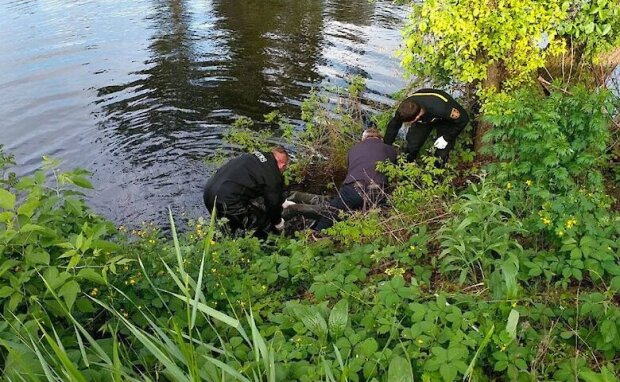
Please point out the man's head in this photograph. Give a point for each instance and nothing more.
(281, 156)
(371, 133)
(411, 111)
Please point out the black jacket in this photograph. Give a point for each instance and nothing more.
(244, 178)
(363, 158)
(440, 107)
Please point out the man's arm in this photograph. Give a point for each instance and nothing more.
(273, 202)
(458, 125)
(392, 154)
(392, 128)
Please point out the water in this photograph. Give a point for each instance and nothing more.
(139, 92)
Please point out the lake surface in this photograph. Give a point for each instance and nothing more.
(140, 92)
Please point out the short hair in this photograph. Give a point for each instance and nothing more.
(279, 150)
(371, 133)
(408, 110)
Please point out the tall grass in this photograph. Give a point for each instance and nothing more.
(180, 352)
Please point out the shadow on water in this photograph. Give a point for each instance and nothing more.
(161, 93)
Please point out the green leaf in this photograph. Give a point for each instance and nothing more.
(69, 292)
(609, 330)
(511, 325)
(312, 319)
(7, 199)
(448, 372)
(338, 318)
(400, 370)
(75, 260)
(81, 181)
(6, 291)
(590, 376)
(606, 29)
(367, 348)
(91, 275)
(38, 257)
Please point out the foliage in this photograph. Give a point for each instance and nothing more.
(479, 239)
(550, 153)
(50, 240)
(595, 25)
(459, 41)
(359, 227)
(557, 142)
(418, 189)
(205, 306)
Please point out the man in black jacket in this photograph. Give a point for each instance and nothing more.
(363, 184)
(427, 109)
(248, 190)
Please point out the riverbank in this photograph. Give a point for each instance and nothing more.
(473, 281)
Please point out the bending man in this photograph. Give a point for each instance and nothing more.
(248, 190)
(427, 109)
(363, 183)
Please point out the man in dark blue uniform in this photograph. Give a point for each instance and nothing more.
(248, 191)
(428, 109)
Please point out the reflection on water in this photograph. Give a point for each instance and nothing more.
(140, 92)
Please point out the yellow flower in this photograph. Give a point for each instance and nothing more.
(94, 292)
(412, 247)
(395, 271)
(514, 304)
(508, 185)
(546, 221)
(570, 223)
(132, 281)
(528, 182)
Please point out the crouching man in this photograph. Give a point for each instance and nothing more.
(248, 191)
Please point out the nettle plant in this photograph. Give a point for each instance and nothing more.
(52, 248)
(556, 142)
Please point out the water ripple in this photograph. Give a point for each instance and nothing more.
(141, 92)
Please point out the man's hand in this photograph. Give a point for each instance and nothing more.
(440, 143)
(280, 226)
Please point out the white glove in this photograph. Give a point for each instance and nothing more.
(287, 203)
(280, 226)
(441, 143)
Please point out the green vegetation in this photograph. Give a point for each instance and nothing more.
(508, 270)
(484, 293)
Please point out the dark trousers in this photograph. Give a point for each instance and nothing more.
(350, 197)
(252, 217)
(418, 134)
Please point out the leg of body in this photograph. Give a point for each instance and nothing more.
(307, 198)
